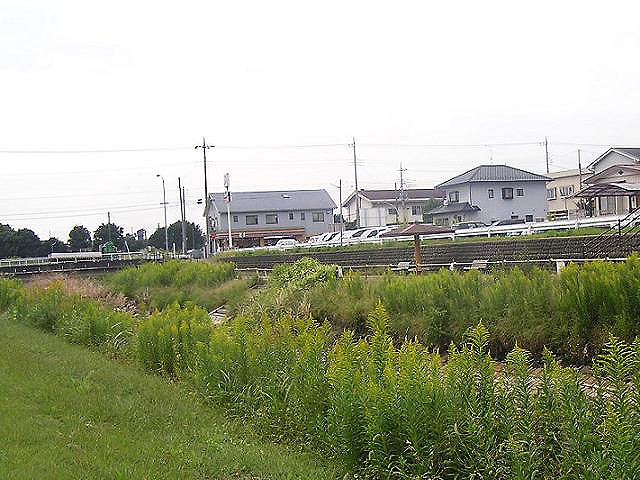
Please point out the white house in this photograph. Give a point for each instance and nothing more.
(612, 183)
(390, 207)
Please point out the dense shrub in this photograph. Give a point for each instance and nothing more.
(166, 339)
(572, 313)
(79, 319)
(157, 285)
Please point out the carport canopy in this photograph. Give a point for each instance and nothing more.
(620, 189)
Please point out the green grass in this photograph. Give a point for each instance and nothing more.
(66, 412)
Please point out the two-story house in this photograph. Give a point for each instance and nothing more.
(612, 183)
(262, 218)
(561, 202)
(390, 207)
(492, 192)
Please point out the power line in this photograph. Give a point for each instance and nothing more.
(88, 214)
(113, 150)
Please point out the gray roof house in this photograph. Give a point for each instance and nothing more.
(492, 192)
(262, 218)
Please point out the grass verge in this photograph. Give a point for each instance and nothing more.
(66, 412)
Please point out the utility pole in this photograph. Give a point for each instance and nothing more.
(180, 192)
(355, 176)
(184, 214)
(580, 169)
(207, 244)
(546, 152)
(403, 194)
(227, 199)
(108, 226)
(164, 203)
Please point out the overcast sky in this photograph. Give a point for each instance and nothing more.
(78, 76)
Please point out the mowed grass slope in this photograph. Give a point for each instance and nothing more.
(67, 412)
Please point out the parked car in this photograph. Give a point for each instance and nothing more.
(508, 221)
(465, 225)
(286, 242)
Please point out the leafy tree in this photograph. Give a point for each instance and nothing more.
(193, 232)
(52, 245)
(133, 243)
(79, 238)
(109, 231)
(18, 243)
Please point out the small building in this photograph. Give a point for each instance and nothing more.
(488, 193)
(263, 218)
(390, 207)
(561, 203)
(612, 186)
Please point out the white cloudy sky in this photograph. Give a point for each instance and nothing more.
(144, 75)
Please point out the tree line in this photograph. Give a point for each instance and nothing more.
(24, 242)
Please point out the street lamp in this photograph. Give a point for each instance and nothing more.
(164, 203)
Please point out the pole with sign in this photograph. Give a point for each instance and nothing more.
(227, 200)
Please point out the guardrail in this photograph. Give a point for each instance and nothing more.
(519, 229)
(109, 257)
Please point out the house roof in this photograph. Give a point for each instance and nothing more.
(392, 195)
(631, 152)
(494, 173)
(454, 207)
(275, 201)
(567, 173)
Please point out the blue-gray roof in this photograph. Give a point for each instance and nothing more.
(455, 207)
(494, 173)
(275, 201)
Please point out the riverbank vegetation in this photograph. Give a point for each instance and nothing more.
(390, 408)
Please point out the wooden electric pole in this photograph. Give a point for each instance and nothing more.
(355, 177)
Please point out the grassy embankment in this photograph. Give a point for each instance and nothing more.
(66, 412)
(386, 411)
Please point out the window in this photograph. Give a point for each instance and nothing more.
(416, 210)
(566, 191)
(252, 219)
(507, 193)
(290, 215)
(520, 192)
(235, 219)
(551, 193)
(454, 196)
(490, 191)
(514, 217)
(271, 218)
(528, 218)
(391, 211)
(302, 216)
(458, 218)
(317, 216)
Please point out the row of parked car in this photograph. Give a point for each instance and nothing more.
(349, 236)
